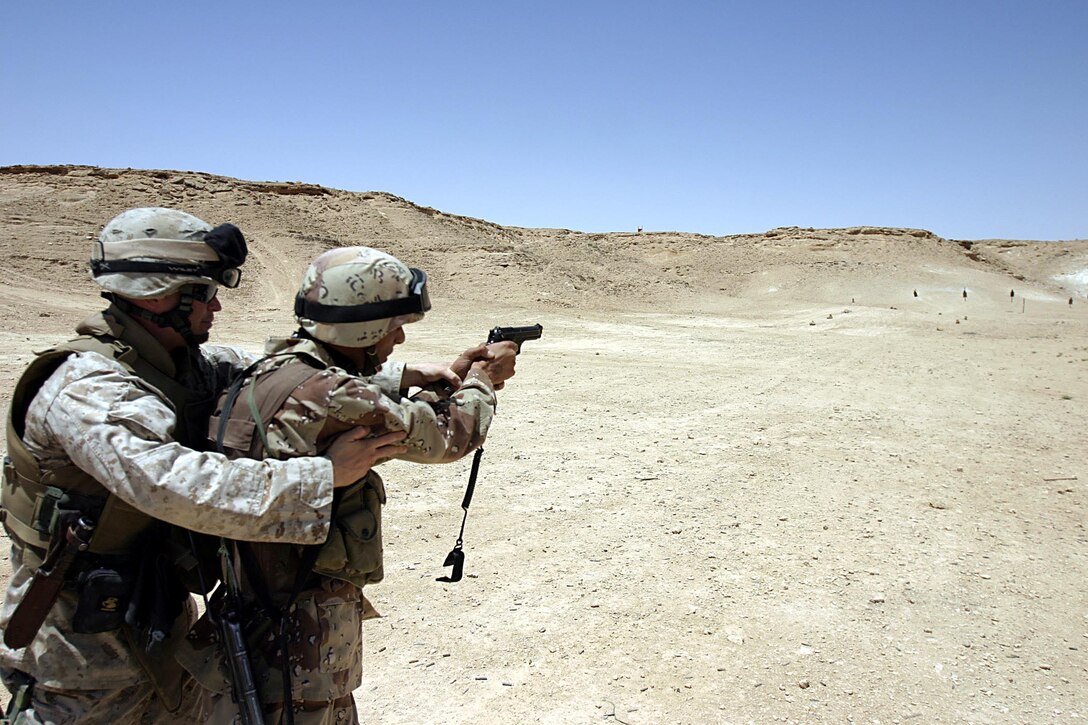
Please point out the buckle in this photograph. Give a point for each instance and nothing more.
(55, 503)
(10, 474)
(46, 505)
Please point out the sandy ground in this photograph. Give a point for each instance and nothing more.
(800, 495)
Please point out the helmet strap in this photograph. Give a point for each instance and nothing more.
(371, 363)
(176, 319)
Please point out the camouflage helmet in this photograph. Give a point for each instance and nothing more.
(355, 296)
(153, 252)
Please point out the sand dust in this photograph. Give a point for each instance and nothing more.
(740, 479)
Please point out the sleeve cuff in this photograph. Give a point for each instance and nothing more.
(389, 378)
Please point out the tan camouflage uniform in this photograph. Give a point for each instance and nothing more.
(94, 413)
(325, 623)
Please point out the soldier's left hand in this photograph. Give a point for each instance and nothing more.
(419, 375)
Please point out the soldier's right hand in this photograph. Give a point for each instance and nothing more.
(499, 364)
(353, 453)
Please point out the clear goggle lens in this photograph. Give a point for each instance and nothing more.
(229, 277)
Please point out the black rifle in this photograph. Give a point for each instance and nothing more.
(228, 625)
(456, 557)
(243, 688)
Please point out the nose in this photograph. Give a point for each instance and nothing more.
(215, 305)
(400, 335)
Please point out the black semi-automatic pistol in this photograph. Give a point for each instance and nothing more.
(516, 335)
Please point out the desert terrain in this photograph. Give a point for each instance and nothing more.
(792, 476)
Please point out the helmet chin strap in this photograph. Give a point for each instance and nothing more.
(176, 319)
(371, 362)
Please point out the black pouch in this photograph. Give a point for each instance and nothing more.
(103, 599)
(158, 594)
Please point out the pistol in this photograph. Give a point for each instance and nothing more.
(456, 557)
(516, 335)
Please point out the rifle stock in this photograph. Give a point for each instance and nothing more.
(242, 685)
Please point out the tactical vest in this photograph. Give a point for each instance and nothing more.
(353, 550)
(30, 494)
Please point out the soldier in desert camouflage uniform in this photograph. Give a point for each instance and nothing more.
(352, 306)
(100, 425)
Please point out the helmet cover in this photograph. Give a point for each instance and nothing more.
(355, 296)
(153, 252)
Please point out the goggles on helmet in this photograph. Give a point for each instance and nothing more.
(418, 301)
(217, 256)
(229, 277)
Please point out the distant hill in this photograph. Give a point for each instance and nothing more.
(50, 214)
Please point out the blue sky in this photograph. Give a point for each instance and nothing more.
(969, 119)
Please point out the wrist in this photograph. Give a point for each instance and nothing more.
(479, 370)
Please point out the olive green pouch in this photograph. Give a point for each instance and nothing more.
(353, 551)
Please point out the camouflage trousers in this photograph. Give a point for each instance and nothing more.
(219, 709)
(133, 705)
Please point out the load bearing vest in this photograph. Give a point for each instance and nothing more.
(29, 494)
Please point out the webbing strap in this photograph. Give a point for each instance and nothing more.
(258, 421)
(22, 687)
(286, 381)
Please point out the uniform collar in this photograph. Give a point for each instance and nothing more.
(114, 323)
(310, 348)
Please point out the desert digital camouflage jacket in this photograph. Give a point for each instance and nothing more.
(93, 413)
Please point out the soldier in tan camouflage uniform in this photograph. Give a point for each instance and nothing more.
(306, 604)
(112, 426)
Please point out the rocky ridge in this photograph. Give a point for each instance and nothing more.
(51, 213)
